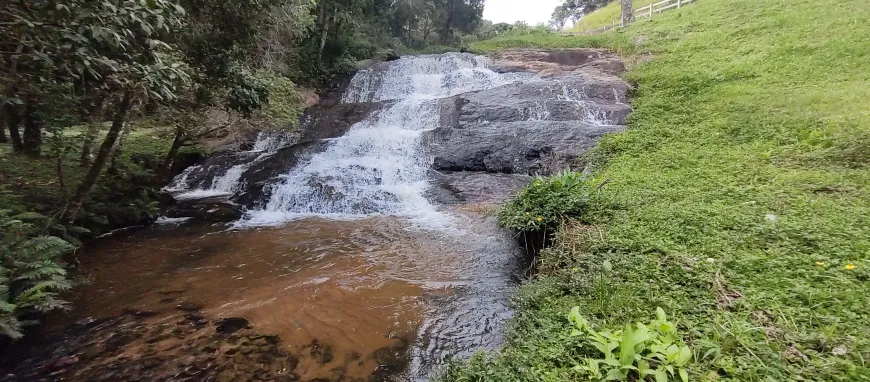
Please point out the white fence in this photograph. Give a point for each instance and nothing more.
(640, 13)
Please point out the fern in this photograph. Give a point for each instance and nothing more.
(33, 218)
(44, 247)
(32, 275)
(10, 326)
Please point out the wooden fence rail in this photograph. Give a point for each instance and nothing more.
(640, 13)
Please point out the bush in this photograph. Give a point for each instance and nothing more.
(32, 273)
(546, 202)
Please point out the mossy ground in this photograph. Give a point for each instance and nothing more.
(737, 199)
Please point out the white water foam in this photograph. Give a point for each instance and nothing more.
(228, 182)
(379, 167)
(594, 114)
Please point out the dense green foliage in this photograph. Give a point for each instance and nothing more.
(32, 273)
(737, 199)
(636, 352)
(547, 202)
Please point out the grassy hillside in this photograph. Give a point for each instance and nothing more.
(606, 15)
(737, 200)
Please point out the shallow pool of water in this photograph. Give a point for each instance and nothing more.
(355, 286)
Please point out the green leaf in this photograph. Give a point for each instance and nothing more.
(660, 314)
(616, 375)
(643, 367)
(626, 347)
(661, 376)
(684, 375)
(684, 356)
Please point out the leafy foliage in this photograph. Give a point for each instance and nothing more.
(637, 352)
(32, 273)
(547, 202)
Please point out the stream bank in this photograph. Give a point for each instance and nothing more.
(363, 250)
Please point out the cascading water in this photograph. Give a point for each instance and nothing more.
(368, 298)
(380, 165)
(227, 183)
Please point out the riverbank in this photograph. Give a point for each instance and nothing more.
(736, 200)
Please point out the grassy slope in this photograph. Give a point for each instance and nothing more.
(606, 15)
(736, 200)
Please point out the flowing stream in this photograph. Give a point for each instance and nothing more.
(348, 255)
(346, 252)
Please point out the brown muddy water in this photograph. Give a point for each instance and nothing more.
(385, 299)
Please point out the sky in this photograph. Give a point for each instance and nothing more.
(509, 11)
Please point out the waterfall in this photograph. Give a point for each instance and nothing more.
(226, 183)
(380, 165)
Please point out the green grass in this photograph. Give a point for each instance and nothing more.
(736, 200)
(606, 15)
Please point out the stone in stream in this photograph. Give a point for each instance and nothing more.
(231, 325)
(321, 353)
(188, 306)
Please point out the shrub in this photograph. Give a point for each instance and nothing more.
(546, 202)
(32, 273)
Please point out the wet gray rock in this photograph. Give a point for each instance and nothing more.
(527, 147)
(533, 127)
(467, 187)
(217, 212)
(202, 175)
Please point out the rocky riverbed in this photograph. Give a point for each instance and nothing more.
(364, 245)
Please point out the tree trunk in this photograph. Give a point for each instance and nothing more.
(627, 12)
(13, 119)
(324, 27)
(166, 168)
(445, 27)
(32, 129)
(93, 174)
(95, 122)
(120, 146)
(3, 138)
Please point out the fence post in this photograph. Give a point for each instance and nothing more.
(679, 3)
(650, 11)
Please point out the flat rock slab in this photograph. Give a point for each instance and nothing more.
(468, 187)
(537, 126)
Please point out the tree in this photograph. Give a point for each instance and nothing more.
(573, 10)
(627, 12)
(559, 17)
(126, 54)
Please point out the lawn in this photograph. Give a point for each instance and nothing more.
(606, 15)
(736, 200)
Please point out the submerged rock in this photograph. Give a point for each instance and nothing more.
(207, 211)
(230, 325)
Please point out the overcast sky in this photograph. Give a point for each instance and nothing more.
(509, 11)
